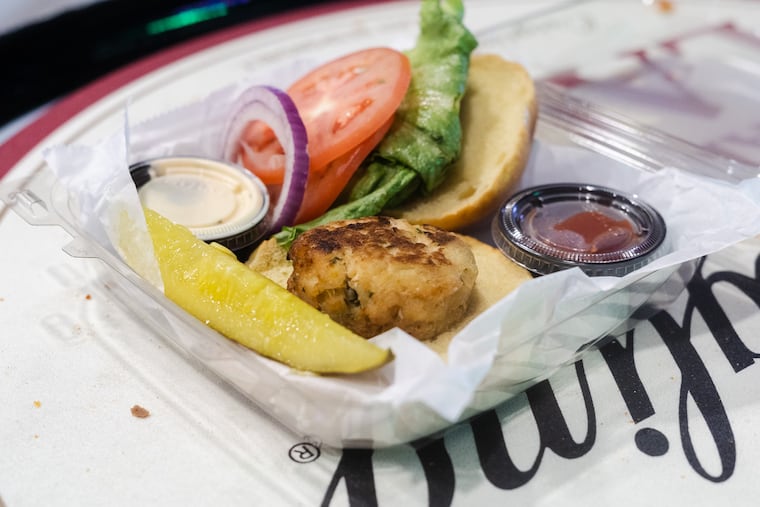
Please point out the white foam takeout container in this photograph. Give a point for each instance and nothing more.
(547, 323)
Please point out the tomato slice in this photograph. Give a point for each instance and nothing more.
(323, 188)
(342, 104)
(345, 101)
(262, 154)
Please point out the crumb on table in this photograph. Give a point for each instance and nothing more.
(665, 6)
(139, 411)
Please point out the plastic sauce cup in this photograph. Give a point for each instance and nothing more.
(218, 201)
(602, 231)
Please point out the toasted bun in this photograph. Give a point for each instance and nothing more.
(498, 116)
(497, 277)
(271, 260)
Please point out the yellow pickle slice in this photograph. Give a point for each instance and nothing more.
(250, 309)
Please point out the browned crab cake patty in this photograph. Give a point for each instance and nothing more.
(375, 273)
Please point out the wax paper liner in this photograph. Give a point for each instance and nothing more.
(543, 325)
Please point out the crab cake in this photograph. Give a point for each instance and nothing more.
(375, 273)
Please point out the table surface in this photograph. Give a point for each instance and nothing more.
(666, 414)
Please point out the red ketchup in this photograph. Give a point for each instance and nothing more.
(567, 227)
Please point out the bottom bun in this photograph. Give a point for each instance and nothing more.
(497, 277)
(271, 260)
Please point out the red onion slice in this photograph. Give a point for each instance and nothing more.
(275, 108)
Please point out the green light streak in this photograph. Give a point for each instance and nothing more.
(186, 18)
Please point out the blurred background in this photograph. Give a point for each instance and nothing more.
(51, 47)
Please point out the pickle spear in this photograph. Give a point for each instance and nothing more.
(243, 305)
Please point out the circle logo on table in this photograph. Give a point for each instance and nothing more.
(304, 452)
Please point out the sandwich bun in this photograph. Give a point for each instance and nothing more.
(496, 277)
(498, 116)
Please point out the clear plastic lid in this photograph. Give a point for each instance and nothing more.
(690, 70)
(600, 230)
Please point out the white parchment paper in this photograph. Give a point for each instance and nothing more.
(544, 324)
